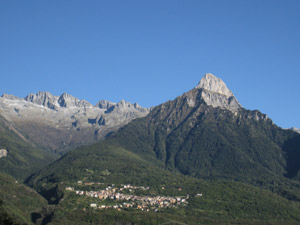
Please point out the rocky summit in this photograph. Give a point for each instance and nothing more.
(213, 84)
(62, 122)
(215, 93)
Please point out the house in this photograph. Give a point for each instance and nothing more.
(93, 205)
(69, 189)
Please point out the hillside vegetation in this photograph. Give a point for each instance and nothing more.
(22, 157)
(223, 201)
(18, 203)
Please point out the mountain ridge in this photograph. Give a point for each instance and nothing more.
(65, 100)
(59, 123)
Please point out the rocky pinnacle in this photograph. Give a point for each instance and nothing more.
(215, 93)
(211, 83)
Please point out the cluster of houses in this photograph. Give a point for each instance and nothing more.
(125, 201)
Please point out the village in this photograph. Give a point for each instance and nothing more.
(128, 200)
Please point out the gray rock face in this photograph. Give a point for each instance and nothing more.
(67, 101)
(3, 153)
(43, 98)
(213, 84)
(104, 104)
(54, 102)
(59, 122)
(215, 93)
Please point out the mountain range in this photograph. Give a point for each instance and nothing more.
(204, 141)
(60, 123)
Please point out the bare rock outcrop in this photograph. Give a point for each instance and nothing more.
(215, 93)
(3, 153)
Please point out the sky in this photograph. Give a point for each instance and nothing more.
(150, 52)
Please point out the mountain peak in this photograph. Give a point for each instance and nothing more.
(215, 93)
(42, 98)
(214, 84)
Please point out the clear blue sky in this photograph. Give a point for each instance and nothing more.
(152, 51)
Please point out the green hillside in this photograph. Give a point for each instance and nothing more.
(18, 203)
(23, 158)
(104, 164)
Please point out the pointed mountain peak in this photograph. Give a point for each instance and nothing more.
(215, 93)
(214, 84)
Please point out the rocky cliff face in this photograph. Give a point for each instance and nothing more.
(213, 84)
(215, 93)
(61, 122)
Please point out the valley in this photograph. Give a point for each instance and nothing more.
(198, 159)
